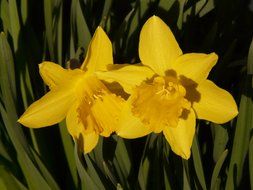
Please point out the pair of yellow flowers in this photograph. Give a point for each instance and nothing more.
(166, 92)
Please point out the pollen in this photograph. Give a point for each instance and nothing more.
(160, 103)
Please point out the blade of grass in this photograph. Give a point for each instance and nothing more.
(86, 181)
(10, 182)
(5, 15)
(105, 13)
(48, 13)
(24, 11)
(83, 33)
(69, 149)
(9, 114)
(250, 73)
(59, 31)
(92, 171)
(251, 158)
(198, 163)
(242, 131)
(14, 23)
(123, 161)
(220, 141)
(217, 169)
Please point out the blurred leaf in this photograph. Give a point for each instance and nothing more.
(242, 131)
(122, 161)
(5, 15)
(83, 33)
(48, 177)
(220, 141)
(209, 6)
(217, 169)
(180, 18)
(86, 181)
(14, 23)
(9, 181)
(186, 177)
(9, 115)
(59, 34)
(250, 73)
(24, 10)
(48, 12)
(250, 60)
(68, 150)
(93, 172)
(198, 163)
(105, 13)
(150, 171)
(194, 9)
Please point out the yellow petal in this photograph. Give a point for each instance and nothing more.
(158, 47)
(180, 137)
(90, 140)
(74, 124)
(85, 135)
(105, 111)
(99, 54)
(215, 104)
(53, 74)
(130, 126)
(195, 66)
(49, 110)
(128, 76)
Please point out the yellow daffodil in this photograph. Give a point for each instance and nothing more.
(89, 107)
(170, 91)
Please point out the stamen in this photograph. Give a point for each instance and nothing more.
(164, 102)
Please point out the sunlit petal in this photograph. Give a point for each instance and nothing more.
(158, 47)
(90, 141)
(130, 126)
(53, 74)
(195, 66)
(105, 111)
(49, 110)
(99, 54)
(180, 137)
(215, 104)
(128, 76)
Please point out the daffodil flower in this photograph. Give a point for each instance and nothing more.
(89, 107)
(170, 91)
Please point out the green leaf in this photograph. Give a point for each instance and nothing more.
(9, 181)
(48, 177)
(105, 13)
(14, 23)
(48, 13)
(9, 115)
(83, 33)
(122, 161)
(5, 15)
(217, 169)
(24, 11)
(251, 159)
(250, 59)
(209, 6)
(93, 173)
(68, 150)
(242, 131)
(220, 141)
(198, 163)
(86, 181)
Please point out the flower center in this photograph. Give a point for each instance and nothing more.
(160, 103)
(98, 108)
